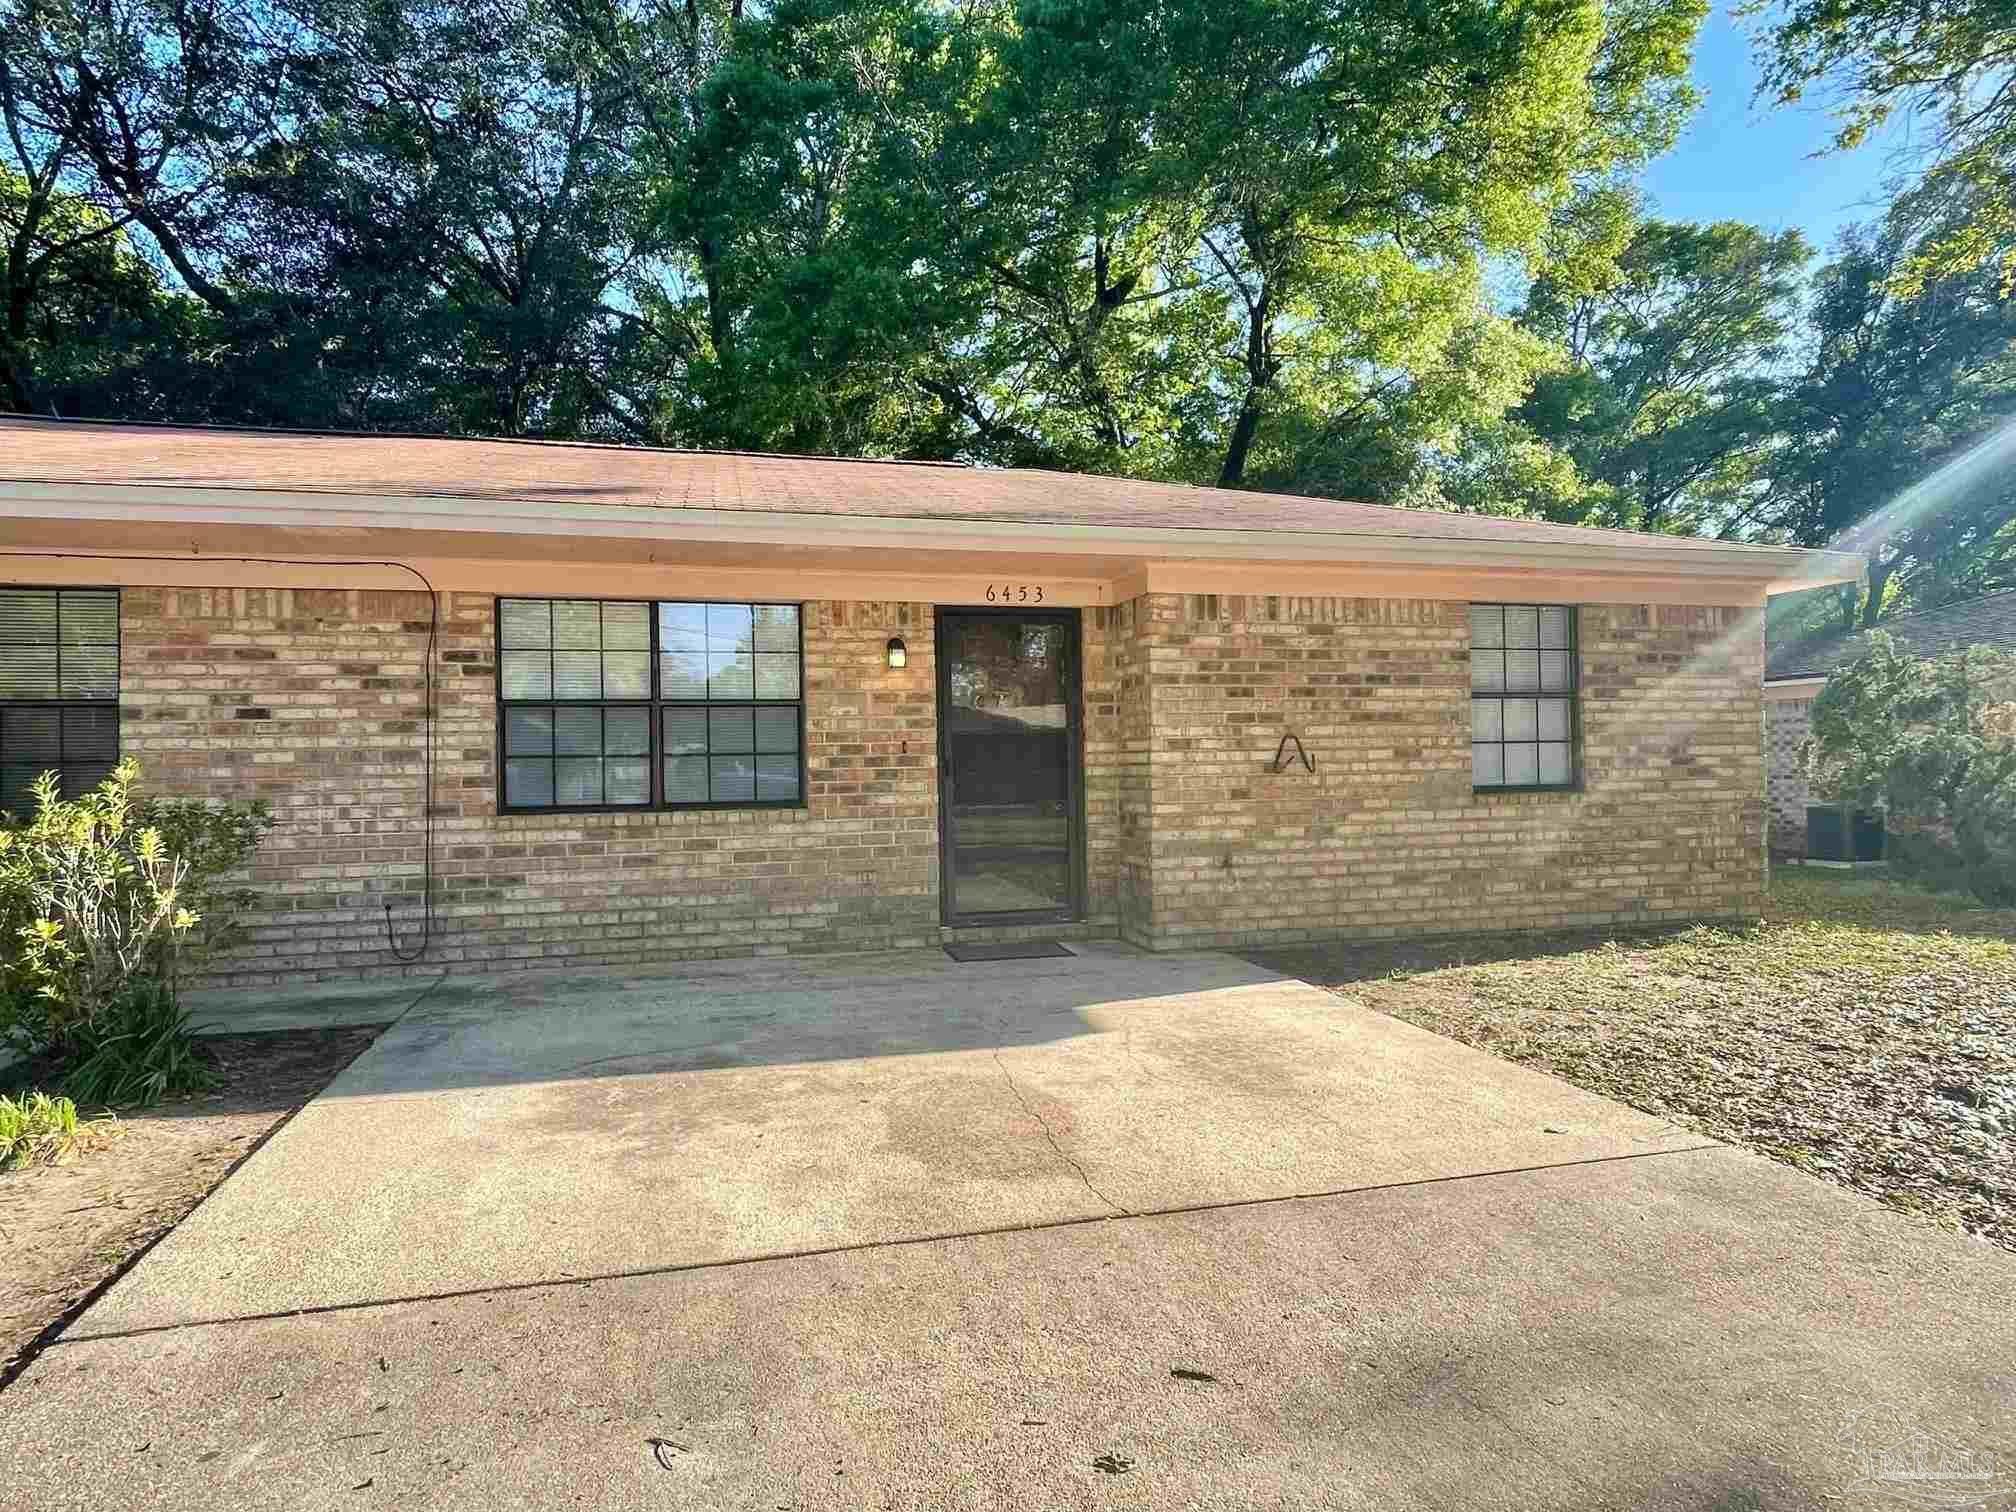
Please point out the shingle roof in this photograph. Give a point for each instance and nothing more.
(65, 451)
(1989, 621)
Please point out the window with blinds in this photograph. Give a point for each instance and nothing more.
(661, 704)
(59, 690)
(1523, 681)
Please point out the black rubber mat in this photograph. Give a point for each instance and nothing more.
(1006, 950)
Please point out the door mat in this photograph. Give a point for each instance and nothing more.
(1006, 950)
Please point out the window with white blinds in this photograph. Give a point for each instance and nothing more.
(607, 704)
(59, 690)
(1523, 681)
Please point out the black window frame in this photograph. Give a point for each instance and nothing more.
(60, 705)
(1572, 694)
(653, 705)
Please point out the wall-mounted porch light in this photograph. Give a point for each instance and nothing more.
(898, 656)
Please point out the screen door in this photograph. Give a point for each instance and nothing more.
(1008, 765)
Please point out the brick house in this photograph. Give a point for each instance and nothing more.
(530, 704)
(1796, 670)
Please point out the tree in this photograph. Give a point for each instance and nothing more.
(1896, 442)
(1504, 468)
(1674, 371)
(456, 214)
(1934, 742)
(414, 216)
(1215, 242)
(108, 126)
(1952, 65)
(775, 301)
(87, 327)
(141, 111)
(1249, 244)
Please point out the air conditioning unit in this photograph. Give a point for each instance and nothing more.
(1839, 833)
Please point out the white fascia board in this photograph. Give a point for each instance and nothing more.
(1801, 680)
(311, 509)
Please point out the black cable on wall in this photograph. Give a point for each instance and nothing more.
(404, 955)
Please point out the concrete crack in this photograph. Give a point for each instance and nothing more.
(1127, 1045)
(1044, 1124)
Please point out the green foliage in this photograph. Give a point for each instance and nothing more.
(1245, 243)
(37, 1129)
(1947, 68)
(1249, 244)
(1934, 742)
(1669, 398)
(214, 841)
(1506, 469)
(1896, 441)
(85, 323)
(90, 903)
(139, 1049)
(97, 903)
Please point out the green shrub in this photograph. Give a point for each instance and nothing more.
(1934, 743)
(104, 899)
(215, 840)
(137, 1051)
(37, 1129)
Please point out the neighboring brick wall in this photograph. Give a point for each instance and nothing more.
(1787, 724)
(1387, 836)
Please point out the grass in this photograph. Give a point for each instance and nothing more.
(1864, 1030)
(37, 1129)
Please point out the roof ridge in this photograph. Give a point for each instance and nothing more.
(376, 435)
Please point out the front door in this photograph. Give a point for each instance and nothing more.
(1009, 831)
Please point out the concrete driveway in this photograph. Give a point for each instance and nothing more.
(1128, 1230)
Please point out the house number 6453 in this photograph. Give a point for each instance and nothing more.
(1014, 593)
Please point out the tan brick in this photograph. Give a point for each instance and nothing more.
(1191, 841)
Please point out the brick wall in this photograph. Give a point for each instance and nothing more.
(1788, 723)
(1134, 734)
(313, 699)
(1386, 836)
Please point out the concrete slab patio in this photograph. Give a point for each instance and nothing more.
(522, 1129)
(894, 1232)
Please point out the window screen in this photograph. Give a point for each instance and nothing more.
(59, 690)
(1522, 695)
(640, 705)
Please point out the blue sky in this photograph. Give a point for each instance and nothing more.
(1750, 161)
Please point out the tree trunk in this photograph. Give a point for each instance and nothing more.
(16, 390)
(1243, 430)
(719, 325)
(1261, 370)
(1872, 607)
(16, 386)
